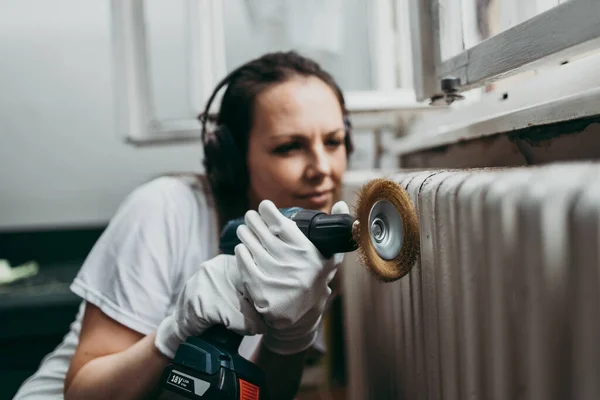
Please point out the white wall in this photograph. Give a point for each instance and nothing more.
(61, 161)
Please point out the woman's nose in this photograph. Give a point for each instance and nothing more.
(319, 164)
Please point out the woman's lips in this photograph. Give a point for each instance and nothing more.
(317, 199)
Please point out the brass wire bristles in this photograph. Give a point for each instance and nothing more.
(373, 253)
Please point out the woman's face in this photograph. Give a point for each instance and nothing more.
(296, 151)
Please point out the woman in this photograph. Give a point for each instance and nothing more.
(154, 278)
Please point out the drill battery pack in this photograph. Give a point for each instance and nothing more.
(210, 368)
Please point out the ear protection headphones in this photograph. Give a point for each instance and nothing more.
(222, 159)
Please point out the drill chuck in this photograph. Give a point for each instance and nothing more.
(329, 233)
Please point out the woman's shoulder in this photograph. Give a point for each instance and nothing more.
(175, 192)
(165, 203)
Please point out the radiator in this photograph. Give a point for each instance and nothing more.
(504, 302)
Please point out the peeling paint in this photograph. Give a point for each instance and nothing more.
(540, 135)
(567, 140)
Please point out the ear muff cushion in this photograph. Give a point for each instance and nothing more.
(348, 139)
(347, 125)
(222, 156)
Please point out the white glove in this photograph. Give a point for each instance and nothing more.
(339, 208)
(209, 298)
(285, 277)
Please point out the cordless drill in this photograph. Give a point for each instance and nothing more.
(209, 366)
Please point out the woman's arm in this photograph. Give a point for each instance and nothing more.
(283, 373)
(112, 361)
(115, 362)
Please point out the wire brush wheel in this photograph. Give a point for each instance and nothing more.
(387, 229)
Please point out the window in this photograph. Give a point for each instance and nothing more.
(480, 41)
(170, 54)
(391, 57)
(519, 63)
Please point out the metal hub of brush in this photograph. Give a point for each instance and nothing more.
(386, 229)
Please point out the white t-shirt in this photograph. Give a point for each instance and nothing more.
(155, 242)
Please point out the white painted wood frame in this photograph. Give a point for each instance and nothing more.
(568, 92)
(553, 36)
(137, 120)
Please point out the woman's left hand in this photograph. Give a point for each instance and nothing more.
(285, 277)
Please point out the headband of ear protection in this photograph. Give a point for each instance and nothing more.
(221, 157)
(220, 149)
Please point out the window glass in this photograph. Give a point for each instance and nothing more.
(333, 32)
(465, 23)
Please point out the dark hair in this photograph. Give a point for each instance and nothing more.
(226, 146)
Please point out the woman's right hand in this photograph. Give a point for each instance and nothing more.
(209, 298)
(285, 277)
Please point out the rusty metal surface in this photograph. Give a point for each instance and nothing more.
(504, 302)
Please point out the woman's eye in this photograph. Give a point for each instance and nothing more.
(334, 142)
(287, 147)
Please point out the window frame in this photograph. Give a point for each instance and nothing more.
(572, 26)
(137, 121)
(568, 92)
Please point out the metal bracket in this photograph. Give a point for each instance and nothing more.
(450, 92)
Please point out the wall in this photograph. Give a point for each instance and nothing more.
(62, 162)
